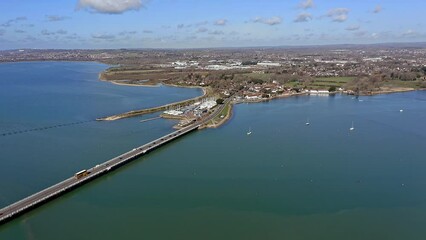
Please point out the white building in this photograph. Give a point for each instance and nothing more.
(268, 64)
(208, 105)
(217, 67)
(173, 112)
(319, 92)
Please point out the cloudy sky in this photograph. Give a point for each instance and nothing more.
(207, 23)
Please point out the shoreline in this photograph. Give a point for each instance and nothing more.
(272, 98)
(226, 118)
(400, 90)
(133, 85)
(228, 114)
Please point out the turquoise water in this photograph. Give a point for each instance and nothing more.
(284, 181)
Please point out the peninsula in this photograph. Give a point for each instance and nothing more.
(254, 75)
(250, 74)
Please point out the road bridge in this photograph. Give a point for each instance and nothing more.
(50, 193)
(90, 174)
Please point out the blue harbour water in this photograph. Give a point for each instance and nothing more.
(284, 181)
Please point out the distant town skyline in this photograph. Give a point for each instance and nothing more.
(87, 24)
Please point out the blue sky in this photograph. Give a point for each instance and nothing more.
(208, 23)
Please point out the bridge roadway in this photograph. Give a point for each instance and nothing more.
(39, 198)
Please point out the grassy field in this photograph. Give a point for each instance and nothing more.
(293, 85)
(261, 76)
(327, 82)
(405, 84)
(226, 112)
(335, 79)
(321, 83)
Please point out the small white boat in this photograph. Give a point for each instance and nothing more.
(307, 122)
(352, 128)
(249, 132)
(401, 110)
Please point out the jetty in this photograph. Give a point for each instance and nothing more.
(150, 119)
(206, 92)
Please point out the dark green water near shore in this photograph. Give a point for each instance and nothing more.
(284, 181)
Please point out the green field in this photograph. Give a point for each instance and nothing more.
(404, 84)
(335, 79)
(322, 83)
(261, 76)
(225, 111)
(327, 82)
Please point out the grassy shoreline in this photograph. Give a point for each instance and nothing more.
(222, 118)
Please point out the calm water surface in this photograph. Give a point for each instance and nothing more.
(284, 181)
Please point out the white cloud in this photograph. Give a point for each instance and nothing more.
(360, 34)
(338, 14)
(307, 4)
(353, 28)
(377, 9)
(303, 17)
(221, 22)
(103, 36)
(72, 36)
(201, 23)
(269, 21)
(49, 33)
(127, 33)
(61, 32)
(13, 21)
(217, 32)
(30, 39)
(410, 34)
(110, 6)
(56, 18)
(202, 30)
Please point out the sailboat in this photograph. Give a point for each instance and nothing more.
(352, 128)
(307, 122)
(249, 132)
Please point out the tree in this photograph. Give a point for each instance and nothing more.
(256, 81)
(245, 63)
(332, 89)
(219, 101)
